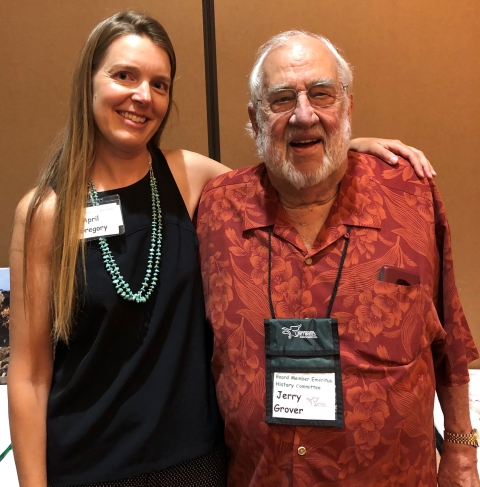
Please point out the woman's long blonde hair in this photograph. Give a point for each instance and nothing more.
(68, 170)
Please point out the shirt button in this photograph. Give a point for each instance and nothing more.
(308, 261)
(302, 450)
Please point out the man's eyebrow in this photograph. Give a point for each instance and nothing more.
(326, 82)
(284, 86)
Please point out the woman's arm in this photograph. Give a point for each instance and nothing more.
(388, 150)
(31, 349)
(192, 172)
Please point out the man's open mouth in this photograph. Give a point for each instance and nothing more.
(305, 143)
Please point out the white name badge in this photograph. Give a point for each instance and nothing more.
(305, 396)
(104, 220)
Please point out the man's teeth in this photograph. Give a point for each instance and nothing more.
(134, 118)
(305, 141)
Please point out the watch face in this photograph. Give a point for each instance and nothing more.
(475, 437)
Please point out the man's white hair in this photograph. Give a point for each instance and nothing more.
(256, 75)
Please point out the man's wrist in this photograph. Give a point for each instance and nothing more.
(470, 439)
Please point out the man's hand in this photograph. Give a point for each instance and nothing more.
(388, 150)
(458, 466)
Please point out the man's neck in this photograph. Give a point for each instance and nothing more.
(308, 208)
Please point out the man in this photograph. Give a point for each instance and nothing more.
(348, 261)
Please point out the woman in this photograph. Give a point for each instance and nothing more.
(122, 395)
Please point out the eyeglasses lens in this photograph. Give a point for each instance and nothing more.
(286, 100)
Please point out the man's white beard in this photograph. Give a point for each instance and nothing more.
(275, 158)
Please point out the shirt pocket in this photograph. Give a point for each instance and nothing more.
(393, 323)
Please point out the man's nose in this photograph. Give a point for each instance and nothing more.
(142, 93)
(304, 114)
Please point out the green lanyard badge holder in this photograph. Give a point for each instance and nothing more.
(303, 372)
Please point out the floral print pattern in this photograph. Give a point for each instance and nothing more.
(390, 335)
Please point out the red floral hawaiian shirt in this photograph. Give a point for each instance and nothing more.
(393, 338)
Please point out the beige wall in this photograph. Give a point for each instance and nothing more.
(417, 67)
(417, 73)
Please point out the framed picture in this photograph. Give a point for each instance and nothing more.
(4, 322)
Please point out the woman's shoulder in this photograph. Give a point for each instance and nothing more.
(44, 206)
(192, 171)
(41, 223)
(195, 163)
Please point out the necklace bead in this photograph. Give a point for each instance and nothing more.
(154, 255)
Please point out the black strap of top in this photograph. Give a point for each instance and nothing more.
(337, 280)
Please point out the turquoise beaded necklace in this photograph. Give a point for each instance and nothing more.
(154, 256)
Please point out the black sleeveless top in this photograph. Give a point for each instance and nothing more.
(133, 392)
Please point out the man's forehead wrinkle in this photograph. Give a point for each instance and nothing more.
(292, 61)
(291, 77)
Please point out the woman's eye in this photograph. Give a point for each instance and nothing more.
(122, 76)
(159, 85)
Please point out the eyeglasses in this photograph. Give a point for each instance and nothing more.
(319, 95)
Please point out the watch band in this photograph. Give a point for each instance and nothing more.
(462, 439)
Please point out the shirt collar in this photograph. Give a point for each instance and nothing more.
(357, 204)
(262, 203)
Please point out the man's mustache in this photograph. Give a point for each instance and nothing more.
(317, 132)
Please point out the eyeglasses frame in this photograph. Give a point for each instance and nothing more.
(337, 97)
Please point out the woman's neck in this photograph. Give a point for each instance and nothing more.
(111, 171)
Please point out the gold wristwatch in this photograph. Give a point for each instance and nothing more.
(463, 439)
